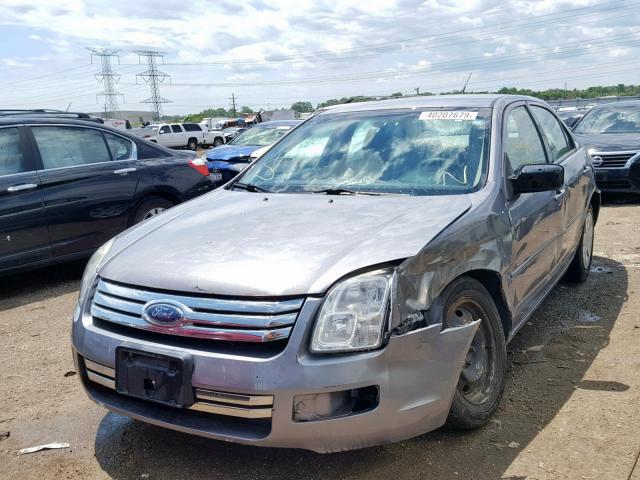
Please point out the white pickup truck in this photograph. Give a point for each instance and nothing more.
(181, 135)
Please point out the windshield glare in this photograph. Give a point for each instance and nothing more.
(608, 120)
(409, 152)
(260, 135)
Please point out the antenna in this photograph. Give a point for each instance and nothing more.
(466, 83)
(153, 77)
(108, 78)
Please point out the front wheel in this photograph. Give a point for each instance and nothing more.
(581, 264)
(483, 374)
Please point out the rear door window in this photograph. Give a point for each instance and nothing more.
(522, 143)
(191, 127)
(553, 131)
(121, 148)
(70, 146)
(176, 129)
(11, 159)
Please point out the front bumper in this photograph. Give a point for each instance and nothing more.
(415, 374)
(623, 180)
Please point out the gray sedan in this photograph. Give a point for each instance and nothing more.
(361, 282)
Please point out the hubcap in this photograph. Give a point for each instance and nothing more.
(587, 240)
(478, 372)
(153, 212)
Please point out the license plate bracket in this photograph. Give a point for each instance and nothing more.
(155, 375)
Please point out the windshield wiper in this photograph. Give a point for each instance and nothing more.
(343, 191)
(249, 187)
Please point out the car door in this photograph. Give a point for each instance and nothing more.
(23, 232)
(563, 151)
(164, 136)
(536, 218)
(89, 178)
(178, 139)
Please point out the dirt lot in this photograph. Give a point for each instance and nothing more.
(571, 407)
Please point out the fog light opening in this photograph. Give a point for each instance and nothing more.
(323, 406)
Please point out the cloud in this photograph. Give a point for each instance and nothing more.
(13, 63)
(433, 44)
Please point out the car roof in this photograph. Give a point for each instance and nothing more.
(39, 119)
(280, 123)
(432, 101)
(613, 105)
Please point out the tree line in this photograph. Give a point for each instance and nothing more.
(550, 94)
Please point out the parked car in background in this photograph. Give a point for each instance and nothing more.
(227, 161)
(570, 117)
(184, 135)
(67, 186)
(232, 132)
(611, 132)
(368, 271)
(120, 124)
(210, 123)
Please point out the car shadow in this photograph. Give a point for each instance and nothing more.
(548, 360)
(36, 285)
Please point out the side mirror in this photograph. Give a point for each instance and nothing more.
(542, 177)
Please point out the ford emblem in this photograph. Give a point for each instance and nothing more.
(163, 312)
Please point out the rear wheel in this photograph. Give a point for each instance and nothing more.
(192, 144)
(149, 208)
(483, 374)
(217, 142)
(581, 264)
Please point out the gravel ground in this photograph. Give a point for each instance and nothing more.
(571, 407)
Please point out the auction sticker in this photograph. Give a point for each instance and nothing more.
(448, 115)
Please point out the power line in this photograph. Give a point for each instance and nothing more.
(108, 78)
(153, 77)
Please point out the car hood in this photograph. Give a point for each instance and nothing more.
(231, 152)
(237, 243)
(610, 141)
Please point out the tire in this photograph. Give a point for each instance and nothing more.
(580, 267)
(482, 379)
(192, 144)
(150, 207)
(217, 142)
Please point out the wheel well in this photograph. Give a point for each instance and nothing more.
(192, 138)
(595, 204)
(491, 281)
(166, 195)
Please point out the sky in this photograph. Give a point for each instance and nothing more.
(271, 53)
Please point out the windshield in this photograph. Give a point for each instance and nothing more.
(429, 152)
(619, 119)
(261, 135)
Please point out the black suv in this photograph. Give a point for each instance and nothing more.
(68, 185)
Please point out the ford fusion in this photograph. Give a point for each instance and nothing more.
(379, 259)
(611, 132)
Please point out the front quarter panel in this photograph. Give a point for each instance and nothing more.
(479, 240)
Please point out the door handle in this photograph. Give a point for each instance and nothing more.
(124, 171)
(22, 188)
(560, 194)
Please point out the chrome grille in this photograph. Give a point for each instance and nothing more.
(205, 317)
(613, 159)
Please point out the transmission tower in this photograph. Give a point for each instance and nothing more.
(153, 77)
(108, 78)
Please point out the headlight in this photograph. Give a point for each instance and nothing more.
(91, 270)
(353, 314)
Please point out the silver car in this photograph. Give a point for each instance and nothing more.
(359, 282)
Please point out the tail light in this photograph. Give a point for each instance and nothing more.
(200, 165)
(146, 136)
